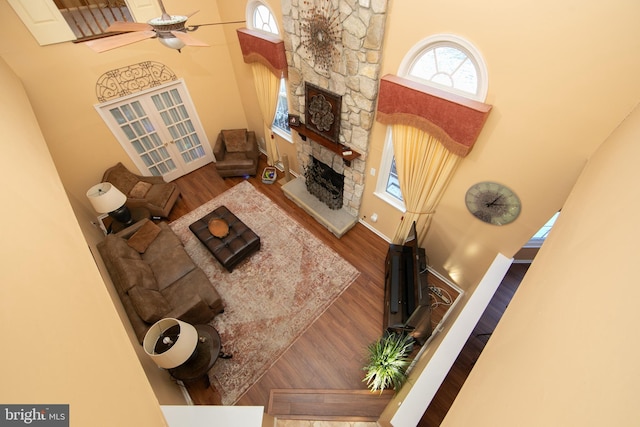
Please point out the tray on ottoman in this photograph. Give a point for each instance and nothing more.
(238, 244)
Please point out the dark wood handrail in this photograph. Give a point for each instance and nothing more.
(329, 405)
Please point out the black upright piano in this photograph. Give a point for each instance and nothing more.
(407, 304)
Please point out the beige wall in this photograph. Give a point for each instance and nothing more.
(565, 351)
(562, 75)
(62, 339)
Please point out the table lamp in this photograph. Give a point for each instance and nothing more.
(170, 342)
(106, 198)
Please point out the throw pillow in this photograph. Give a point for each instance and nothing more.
(235, 140)
(140, 190)
(142, 238)
(149, 304)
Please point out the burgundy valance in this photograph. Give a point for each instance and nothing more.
(257, 46)
(456, 121)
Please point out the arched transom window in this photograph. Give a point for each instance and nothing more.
(447, 62)
(260, 17)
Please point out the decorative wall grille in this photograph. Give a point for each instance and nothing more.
(131, 79)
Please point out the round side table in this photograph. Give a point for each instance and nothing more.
(208, 349)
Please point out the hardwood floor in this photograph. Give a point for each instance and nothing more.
(331, 353)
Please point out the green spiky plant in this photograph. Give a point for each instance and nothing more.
(388, 362)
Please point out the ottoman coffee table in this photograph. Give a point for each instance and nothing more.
(229, 249)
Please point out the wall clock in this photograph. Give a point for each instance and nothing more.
(493, 203)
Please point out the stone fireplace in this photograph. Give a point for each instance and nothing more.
(336, 45)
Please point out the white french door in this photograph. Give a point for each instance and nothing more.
(160, 130)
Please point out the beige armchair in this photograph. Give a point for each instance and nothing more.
(151, 192)
(236, 152)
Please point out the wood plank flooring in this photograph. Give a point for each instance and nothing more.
(331, 353)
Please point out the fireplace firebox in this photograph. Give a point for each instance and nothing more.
(324, 183)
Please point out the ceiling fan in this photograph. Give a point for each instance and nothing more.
(170, 30)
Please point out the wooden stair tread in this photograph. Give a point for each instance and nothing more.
(344, 405)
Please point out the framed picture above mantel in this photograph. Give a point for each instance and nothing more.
(322, 112)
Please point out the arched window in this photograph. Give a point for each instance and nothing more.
(447, 62)
(443, 61)
(260, 17)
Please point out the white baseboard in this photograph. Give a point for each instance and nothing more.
(378, 233)
(185, 393)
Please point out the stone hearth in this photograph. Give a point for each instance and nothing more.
(337, 221)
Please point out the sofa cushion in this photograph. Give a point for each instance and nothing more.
(142, 238)
(193, 311)
(235, 140)
(117, 247)
(150, 304)
(172, 266)
(140, 190)
(159, 195)
(134, 272)
(199, 284)
(235, 161)
(164, 241)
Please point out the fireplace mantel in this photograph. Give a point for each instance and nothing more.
(339, 149)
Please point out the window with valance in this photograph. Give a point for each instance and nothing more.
(432, 127)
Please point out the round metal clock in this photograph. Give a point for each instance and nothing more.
(493, 203)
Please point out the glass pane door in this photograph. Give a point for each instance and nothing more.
(176, 119)
(143, 137)
(160, 131)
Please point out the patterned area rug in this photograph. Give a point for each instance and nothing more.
(272, 297)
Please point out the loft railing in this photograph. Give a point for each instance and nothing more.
(89, 19)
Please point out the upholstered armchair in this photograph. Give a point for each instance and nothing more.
(236, 152)
(151, 192)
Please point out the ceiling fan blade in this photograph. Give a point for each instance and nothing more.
(195, 27)
(187, 39)
(120, 26)
(112, 42)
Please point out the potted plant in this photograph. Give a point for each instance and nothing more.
(388, 361)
